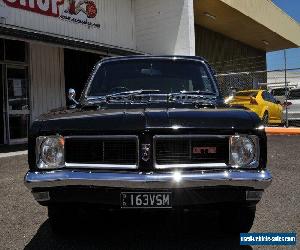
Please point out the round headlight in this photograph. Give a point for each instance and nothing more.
(243, 151)
(52, 152)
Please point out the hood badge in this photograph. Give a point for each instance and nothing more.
(146, 152)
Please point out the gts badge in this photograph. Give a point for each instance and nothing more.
(145, 152)
(204, 150)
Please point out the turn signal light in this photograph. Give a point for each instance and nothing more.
(253, 101)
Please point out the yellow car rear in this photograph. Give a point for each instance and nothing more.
(262, 103)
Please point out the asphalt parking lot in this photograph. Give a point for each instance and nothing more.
(24, 224)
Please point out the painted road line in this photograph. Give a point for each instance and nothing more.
(11, 154)
(282, 131)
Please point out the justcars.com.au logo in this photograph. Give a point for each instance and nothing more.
(275, 239)
(76, 11)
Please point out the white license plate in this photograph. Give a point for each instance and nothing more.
(146, 200)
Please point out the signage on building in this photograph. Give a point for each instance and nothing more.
(75, 11)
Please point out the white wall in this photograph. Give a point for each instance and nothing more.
(151, 26)
(115, 17)
(47, 84)
(277, 78)
(165, 26)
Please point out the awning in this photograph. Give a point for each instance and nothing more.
(258, 23)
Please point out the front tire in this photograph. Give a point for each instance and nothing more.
(62, 218)
(237, 219)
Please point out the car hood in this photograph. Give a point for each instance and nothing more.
(79, 121)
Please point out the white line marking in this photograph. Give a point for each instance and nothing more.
(5, 155)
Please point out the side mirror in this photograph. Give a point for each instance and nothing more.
(71, 96)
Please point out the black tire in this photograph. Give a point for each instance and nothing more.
(62, 218)
(237, 219)
(265, 119)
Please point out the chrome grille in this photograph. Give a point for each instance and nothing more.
(191, 151)
(102, 151)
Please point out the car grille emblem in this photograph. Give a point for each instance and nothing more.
(146, 152)
(204, 150)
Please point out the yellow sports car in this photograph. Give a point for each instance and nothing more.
(261, 102)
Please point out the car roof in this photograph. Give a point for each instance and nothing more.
(171, 57)
(294, 89)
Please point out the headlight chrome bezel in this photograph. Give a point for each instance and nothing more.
(41, 162)
(254, 162)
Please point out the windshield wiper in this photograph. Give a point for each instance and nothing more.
(122, 95)
(136, 92)
(191, 96)
(130, 95)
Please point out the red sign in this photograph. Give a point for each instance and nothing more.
(52, 7)
(44, 7)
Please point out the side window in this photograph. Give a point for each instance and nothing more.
(207, 82)
(265, 96)
(272, 98)
(268, 97)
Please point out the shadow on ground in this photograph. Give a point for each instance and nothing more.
(138, 231)
(12, 148)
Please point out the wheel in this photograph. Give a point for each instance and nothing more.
(265, 119)
(62, 218)
(237, 219)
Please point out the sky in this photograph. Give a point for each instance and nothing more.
(275, 60)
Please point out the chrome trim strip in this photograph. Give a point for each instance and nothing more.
(191, 136)
(98, 166)
(201, 165)
(257, 179)
(115, 137)
(181, 166)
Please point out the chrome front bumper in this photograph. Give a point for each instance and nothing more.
(257, 179)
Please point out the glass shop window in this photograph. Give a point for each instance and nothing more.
(1, 50)
(15, 51)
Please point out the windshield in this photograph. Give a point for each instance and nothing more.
(162, 76)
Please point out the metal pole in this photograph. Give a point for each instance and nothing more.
(286, 92)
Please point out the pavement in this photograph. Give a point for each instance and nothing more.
(24, 224)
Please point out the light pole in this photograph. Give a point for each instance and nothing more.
(286, 92)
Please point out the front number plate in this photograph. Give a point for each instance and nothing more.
(146, 200)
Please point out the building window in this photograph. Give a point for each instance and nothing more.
(14, 92)
(1, 49)
(15, 51)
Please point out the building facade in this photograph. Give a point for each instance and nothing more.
(48, 46)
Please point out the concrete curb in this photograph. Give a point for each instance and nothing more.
(12, 154)
(282, 131)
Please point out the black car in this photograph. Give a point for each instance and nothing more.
(149, 132)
